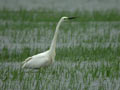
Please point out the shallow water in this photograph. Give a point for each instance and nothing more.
(60, 75)
(92, 35)
(87, 55)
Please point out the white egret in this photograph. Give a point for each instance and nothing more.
(46, 58)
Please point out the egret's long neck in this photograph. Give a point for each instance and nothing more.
(53, 44)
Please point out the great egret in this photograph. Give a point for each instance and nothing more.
(46, 58)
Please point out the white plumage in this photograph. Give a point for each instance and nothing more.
(46, 58)
(39, 60)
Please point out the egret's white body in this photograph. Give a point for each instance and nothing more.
(46, 58)
(39, 60)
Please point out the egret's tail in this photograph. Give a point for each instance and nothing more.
(23, 66)
(24, 62)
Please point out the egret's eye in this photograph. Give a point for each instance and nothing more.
(65, 19)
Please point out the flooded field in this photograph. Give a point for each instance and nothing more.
(79, 75)
(88, 51)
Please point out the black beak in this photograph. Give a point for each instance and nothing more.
(71, 18)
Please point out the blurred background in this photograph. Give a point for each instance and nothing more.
(87, 50)
(69, 5)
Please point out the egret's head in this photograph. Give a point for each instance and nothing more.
(67, 18)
